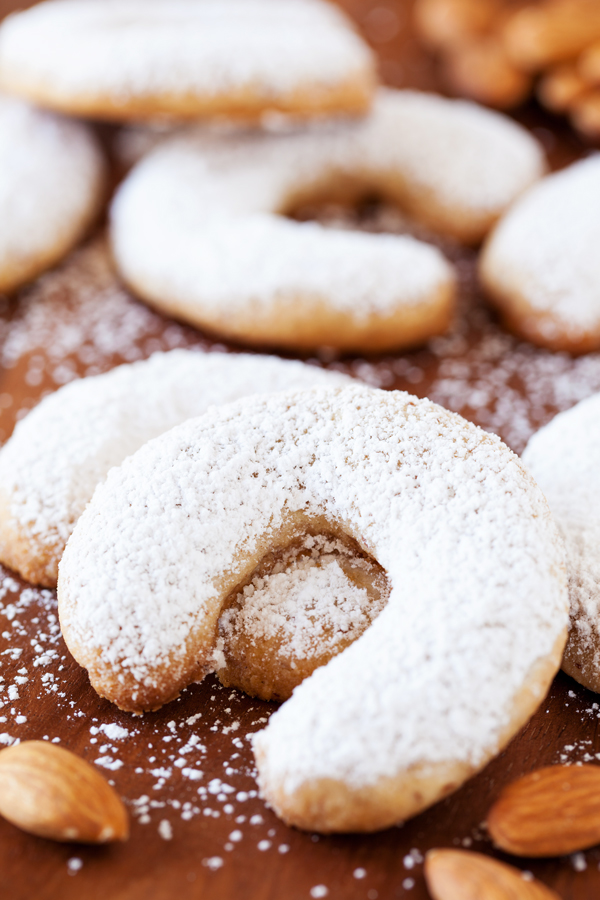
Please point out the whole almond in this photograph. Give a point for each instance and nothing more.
(549, 812)
(462, 875)
(54, 794)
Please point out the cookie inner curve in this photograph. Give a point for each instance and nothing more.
(300, 607)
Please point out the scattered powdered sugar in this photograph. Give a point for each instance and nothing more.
(31, 661)
(213, 862)
(165, 829)
(59, 453)
(176, 767)
(107, 762)
(544, 253)
(116, 50)
(80, 318)
(460, 529)
(412, 859)
(74, 865)
(112, 731)
(52, 172)
(507, 386)
(582, 751)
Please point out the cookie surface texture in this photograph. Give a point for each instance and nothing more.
(563, 459)
(51, 188)
(57, 455)
(541, 266)
(198, 227)
(456, 662)
(131, 59)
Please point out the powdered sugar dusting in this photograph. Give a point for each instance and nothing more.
(66, 445)
(471, 159)
(302, 606)
(545, 251)
(196, 226)
(460, 530)
(563, 458)
(195, 205)
(51, 177)
(309, 603)
(121, 49)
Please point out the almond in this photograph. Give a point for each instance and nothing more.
(462, 875)
(51, 792)
(549, 812)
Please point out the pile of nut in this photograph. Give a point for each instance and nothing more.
(499, 51)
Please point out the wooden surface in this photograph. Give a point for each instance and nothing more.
(202, 831)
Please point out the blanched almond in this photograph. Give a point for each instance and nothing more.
(54, 794)
(462, 875)
(550, 812)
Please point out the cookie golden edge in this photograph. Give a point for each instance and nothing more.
(538, 327)
(308, 322)
(352, 96)
(329, 806)
(35, 561)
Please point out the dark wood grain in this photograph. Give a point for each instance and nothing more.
(47, 335)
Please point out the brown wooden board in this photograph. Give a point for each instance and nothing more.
(199, 829)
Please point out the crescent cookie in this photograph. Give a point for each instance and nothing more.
(198, 228)
(131, 59)
(57, 455)
(458, 660)
(541, 266)
(563, 458)
(51, 188)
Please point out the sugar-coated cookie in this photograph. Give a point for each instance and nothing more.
(541, 266)
(563, 458)
(456, 662)
(198, 230)
(134, 59)
(51, 188)
(57, 455)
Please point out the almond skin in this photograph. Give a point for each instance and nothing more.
(52, 793)
(549, 812)
(462, 875)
